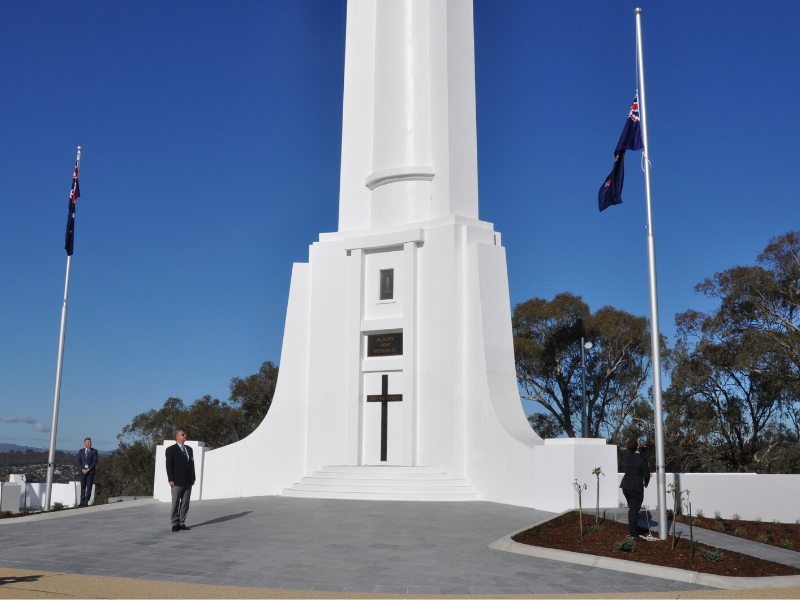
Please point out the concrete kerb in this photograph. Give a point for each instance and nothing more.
(506, 544)
(72, 512)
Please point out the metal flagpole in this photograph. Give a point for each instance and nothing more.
(57, 395)
(661, 475)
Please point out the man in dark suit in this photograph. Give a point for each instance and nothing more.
(180, 473)
(87, 462)
(637, 476)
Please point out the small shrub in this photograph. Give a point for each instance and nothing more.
(787, 544)
(598, 527)
(797, 522)
(736, 517)
(58, 506)
(762, 537)
(741, 532)
(758, 520)
(776, 522)
(717, 515)
(713, 555)
(699, 513)
(626, 545)
(696, 521)
(719, 526)
(5, 513)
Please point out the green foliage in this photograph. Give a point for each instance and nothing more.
(719, 526)
(129, 472)
(626, 545)
(758, 520)
(736, 517)
(548, 359)
(58, 506)
(5, 513)
(787, 544)
(546, 426)
(252, 396)
(776, 522)
(717, 515)
(713, 555)
(734, 400)
(740, 532)
(699, 513)
(763, 538)
(597, 528)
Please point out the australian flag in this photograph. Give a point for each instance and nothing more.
(631, 139)
(74, 193)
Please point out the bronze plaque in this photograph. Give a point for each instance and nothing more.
(385, 344)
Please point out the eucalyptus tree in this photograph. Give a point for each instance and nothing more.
(547, 337)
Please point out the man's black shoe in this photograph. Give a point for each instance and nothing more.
(185, 528)
(643, 531)
(175, 528)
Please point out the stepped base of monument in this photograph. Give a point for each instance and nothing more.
(380, 482)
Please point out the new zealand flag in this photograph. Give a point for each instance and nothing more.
(74, 193)
(631, 139)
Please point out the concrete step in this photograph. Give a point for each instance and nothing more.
(394, 495)
(459, 487)
(382, 482)
(382, 475)
(379, 469)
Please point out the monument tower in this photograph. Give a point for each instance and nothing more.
(397, 376)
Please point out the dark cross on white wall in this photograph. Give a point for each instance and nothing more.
(384, 399)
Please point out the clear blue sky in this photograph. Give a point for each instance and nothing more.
(211, 136)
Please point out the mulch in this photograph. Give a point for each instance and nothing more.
(563, 533)
(781, 535)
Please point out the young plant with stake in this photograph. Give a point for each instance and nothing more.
(676, 502)
(580, 488)
(597, 472)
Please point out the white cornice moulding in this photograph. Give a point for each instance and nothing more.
(385, 240)
(379, 178)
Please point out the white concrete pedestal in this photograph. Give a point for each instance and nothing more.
(10, 496)
(559, 462)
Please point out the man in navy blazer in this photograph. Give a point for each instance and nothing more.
(181, 476)
(87, 462)
(637, 476)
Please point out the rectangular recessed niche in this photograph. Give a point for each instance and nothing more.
(387, 284)
(385, 344)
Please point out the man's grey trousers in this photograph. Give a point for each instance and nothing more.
(180, 504)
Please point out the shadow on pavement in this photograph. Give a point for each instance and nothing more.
(222, 519)
(25, 579)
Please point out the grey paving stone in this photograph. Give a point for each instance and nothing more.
(516, 590)
(391, 589)
(361, 589)
(276, 542)
(454, 590)
(480, 590)
(327, 587)
(423, 589)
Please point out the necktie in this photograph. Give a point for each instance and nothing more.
(185, 453)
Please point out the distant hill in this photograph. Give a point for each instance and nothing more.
(10, 447)
(14, 448)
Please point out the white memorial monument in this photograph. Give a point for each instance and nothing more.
(397, 377)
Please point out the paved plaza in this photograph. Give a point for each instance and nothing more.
(308, 544)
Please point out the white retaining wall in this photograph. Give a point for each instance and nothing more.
(748, 494)
(69, 494)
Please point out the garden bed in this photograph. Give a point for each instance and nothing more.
(781, 535)
(563, 533)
